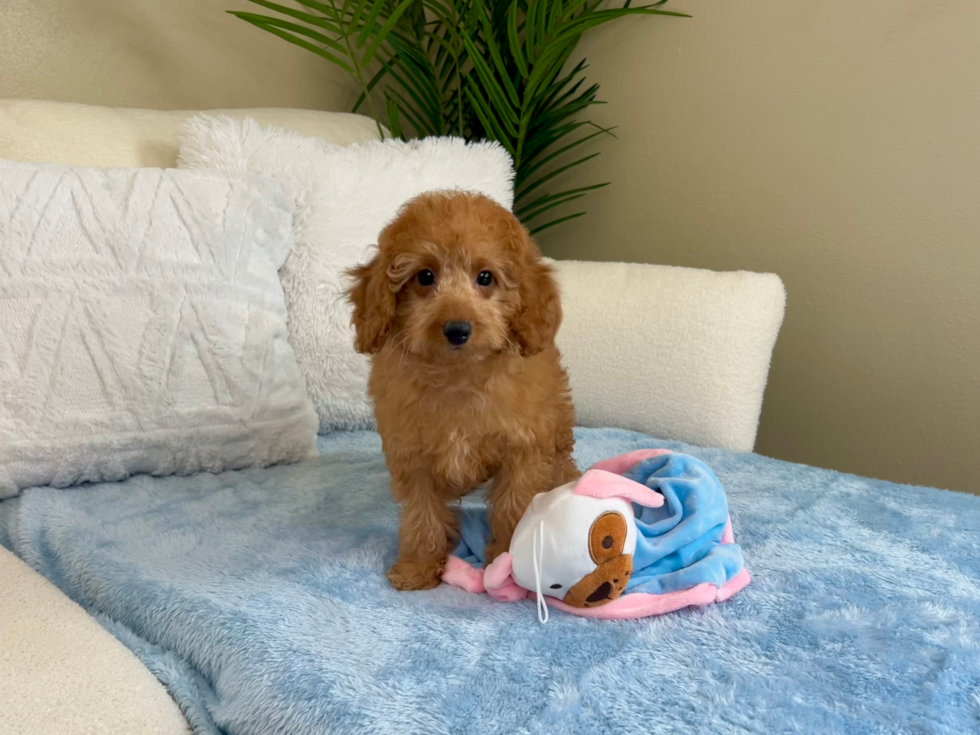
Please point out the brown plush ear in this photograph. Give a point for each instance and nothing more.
(539, 316)
(607, 537)
(374, 304)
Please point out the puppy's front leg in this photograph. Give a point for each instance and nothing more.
(523, 475)
(427, 528)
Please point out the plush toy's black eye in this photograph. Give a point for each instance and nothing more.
(485, 278)
(556, 586)
(426, 277)
(607, 542)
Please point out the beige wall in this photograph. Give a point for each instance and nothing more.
(159, 54)
(836, 143)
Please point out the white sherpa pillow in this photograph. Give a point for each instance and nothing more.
(351, 193)
(143, 325)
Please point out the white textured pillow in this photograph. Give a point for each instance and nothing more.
(351, 193)
(143, 325)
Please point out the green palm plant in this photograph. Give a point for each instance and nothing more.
(478, 69)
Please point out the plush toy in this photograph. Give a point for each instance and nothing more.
(640, 534)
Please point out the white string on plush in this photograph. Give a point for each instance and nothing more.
(537, 557)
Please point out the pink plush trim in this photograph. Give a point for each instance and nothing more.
(461, 574)
(510, 592)
(604, 484)
(620, 464)
(498, 572)
(727, 536)
(736, 584)
(499, 582)
(642, 604)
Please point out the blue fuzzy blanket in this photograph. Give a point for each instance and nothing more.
(678, 545)
(259, 599)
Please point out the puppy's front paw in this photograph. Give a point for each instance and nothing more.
(407, 575)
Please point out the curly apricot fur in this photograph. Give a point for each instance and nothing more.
(451, 418)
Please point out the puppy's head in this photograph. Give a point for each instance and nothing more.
(456, 276)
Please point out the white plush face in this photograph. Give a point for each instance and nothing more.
(568, 519)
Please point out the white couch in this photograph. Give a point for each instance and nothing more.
(677, 353)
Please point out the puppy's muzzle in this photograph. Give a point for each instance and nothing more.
(457, 333)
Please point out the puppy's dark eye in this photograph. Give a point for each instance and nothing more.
(556, 586)
(485, 278)
(426, 277)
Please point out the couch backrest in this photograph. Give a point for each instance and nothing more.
(677, 353)
(106, 137)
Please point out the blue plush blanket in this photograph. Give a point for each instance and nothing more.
(259, 599)
(678, 545)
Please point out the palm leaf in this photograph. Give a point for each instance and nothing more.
(394, 120)
(495, 69)
(503, 73)
(264, 20)
(314, 20)
(538, 228)
(528, 170)
(418, 69)
(301, 43)
(549, 176)
(494, 90)
(369, 24)
(422, 111)
(356, 15)
(405, 109)
(559, 85)
(324, 8)
(516, 48)
(381, 35)
(532, 209)
(526, 218)
(485, 114)
(369, 88)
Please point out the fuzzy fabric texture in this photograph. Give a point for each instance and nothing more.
(351, 194)
(258, 597)
(143, 325)
(707, 342)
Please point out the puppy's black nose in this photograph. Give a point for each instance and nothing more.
(457, 332)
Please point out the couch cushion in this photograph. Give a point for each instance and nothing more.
(88, 135)
(61, 672)
(675, 352)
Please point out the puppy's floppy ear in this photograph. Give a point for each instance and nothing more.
(537, 320)
(374, 304)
